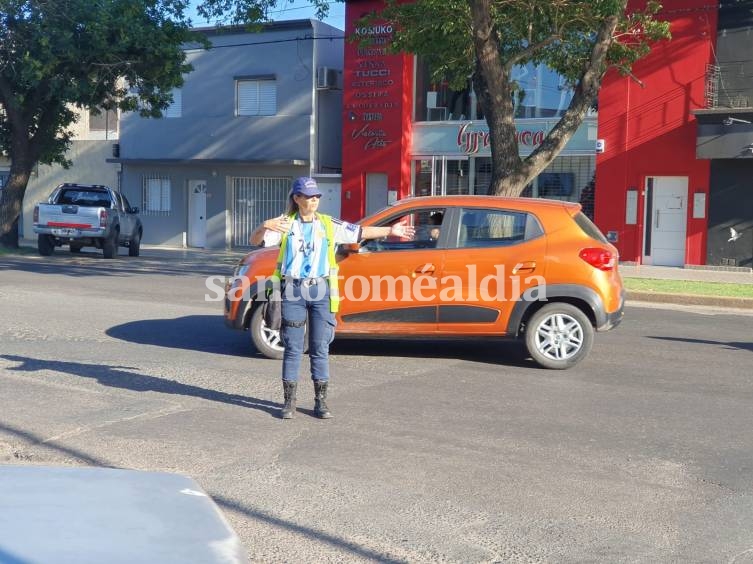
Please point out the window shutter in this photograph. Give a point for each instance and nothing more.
(175, 110)
(267, 97)
(257, 97)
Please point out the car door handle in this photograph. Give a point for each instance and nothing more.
(424, 269)
(527, 266)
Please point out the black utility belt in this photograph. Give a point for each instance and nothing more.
(305, 282)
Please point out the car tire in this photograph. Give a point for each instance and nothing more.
(267, 342)
(76, 248)
(559, 336)
(134, 245)
(110, 246)
(45, 245)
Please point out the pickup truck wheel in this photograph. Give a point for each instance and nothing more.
(110, 246)
(76, 248)
(134, 245)
(267, 342)
(45, 245)
(559, 336)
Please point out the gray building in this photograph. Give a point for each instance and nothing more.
(259, 109)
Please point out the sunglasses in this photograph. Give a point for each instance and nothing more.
(309, 197)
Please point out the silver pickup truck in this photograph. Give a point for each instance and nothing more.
(87, 215)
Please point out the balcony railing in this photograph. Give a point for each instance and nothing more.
(729, 85)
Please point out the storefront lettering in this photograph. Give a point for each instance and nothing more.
(372, 52)
(375, 138)
(375, 91)
(370, 106)
(384, 29)
(470, 142)
(372, 94)
(372, 83)
(373, 73)
(371, 64)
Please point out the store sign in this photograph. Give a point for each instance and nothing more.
(471, 141)
(373, 138)
(471, 138)
(372, 99)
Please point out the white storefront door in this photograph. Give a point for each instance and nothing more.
(666, 220)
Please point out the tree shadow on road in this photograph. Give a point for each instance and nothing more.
(739, 345)
(200, 333)
(308, 532)
(122, 377)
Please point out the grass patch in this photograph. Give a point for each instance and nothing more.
(689, 287)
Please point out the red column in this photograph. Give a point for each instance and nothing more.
(377, 110)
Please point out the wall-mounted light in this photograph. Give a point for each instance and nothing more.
(729, 120)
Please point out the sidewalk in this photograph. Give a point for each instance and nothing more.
(695, 274)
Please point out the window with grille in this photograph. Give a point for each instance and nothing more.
(256, 97)
(255, 200)
(155, 199)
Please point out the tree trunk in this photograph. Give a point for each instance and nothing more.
(11, 199)
(492, 85)
(510, 173)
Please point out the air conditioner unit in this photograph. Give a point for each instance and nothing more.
(326, 78)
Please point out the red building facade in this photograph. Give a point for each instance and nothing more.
(652, 193)
(651, 190)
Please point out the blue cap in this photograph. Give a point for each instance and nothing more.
(305, 186)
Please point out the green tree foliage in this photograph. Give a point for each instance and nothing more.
(486, 39)
(250, 12)
(59, 55)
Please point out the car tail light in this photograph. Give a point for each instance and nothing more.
(103, 218)
(36, 214)
(602, 259)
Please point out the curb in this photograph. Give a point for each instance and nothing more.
(690, 299)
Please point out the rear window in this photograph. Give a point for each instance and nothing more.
(589, 228)
(78, 197)
(496, 228)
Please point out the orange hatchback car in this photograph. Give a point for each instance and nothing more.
(478, 267)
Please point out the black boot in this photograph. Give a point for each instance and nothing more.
(289, 389)
(320, 396)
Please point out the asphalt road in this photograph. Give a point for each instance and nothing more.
(438, 452)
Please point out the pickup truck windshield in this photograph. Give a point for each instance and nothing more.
(78, 197)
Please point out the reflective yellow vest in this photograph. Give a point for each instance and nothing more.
(329, 230)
